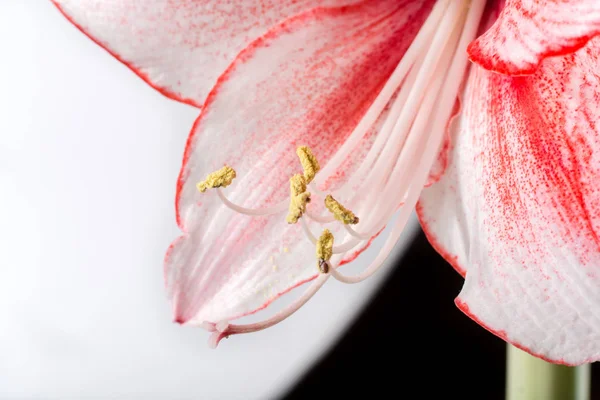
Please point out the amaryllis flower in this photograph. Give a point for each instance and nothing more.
(356, 100)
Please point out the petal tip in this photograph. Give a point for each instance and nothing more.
(215, 339)
(521, 35)
(495, 64)
(221, 326)
(464, 307)
(209, 326)
(179, 316)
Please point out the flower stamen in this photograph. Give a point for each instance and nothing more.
(443, 93)
(410, 139)
(297, 185)
(217, 179)
(299, 197)
(420, 42)
(339, 249)
(320, 219)
(340, 212)
(236, 329)
(324, 251)
(309, 162)
(256, 212)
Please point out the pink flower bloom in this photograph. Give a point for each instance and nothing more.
(508, 192)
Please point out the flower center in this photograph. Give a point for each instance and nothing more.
(421, 93)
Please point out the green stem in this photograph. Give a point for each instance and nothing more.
(529, 378)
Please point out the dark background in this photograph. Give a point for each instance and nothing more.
(412, 338)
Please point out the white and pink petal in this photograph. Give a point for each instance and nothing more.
(180, 47)
(527, 31)
(308, 81)
(518, 209)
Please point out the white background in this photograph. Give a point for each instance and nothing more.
(89, 155)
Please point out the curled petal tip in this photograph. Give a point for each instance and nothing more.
(209, 326)
(222, 326)
(527, 32)
(215, 338)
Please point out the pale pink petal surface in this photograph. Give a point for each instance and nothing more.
(527, 31)
(307, 82)
(180, 47)
(518, 208)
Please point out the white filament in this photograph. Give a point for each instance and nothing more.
(387, 92)
(448, 94)
(280, 207)
(386, 187)
(339, 249)
(398, 163)
(410, 127)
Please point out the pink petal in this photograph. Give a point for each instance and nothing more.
(519, 206)
(306, 82)
(441, 162)
(180, 47)
(527, 31)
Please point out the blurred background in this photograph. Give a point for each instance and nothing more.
(88, 159)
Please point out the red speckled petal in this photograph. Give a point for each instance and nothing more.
(519, 206)
(307, 82)
(180, 47)
(527, 31)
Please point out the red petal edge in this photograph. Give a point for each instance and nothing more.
(450, 258)
(453, 261)
(549, 79)
(165, 92)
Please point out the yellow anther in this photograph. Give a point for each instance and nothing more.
(298, 199)
(220, 178)
(340, 212)
(309, 162)
(324, 251)
(297, 185)
(297, 207)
